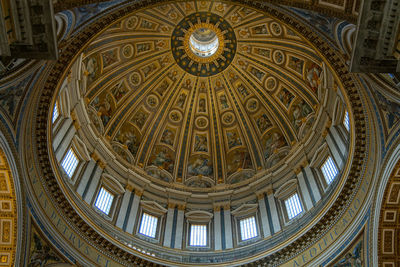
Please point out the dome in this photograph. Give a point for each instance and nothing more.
(185, 114)
(197, 125)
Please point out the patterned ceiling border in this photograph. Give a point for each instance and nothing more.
(389, 225)
(75, 45)
(9, 151)
(8, 214)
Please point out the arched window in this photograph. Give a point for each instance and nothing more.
(148, 225)
(104, 200)
(248, 228)
(329, 170)
(293, 206)
(346, 121)
(70, 162)
(56, 112)
(198, 235)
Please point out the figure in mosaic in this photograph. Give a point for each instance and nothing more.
(140, 119)
(224, 102)
(42, 254)
(181, 100)
(202, 105)
(103, 106)
(163, 160)
(296, 64)
(167, 137)
(286, 97)
(200, 166)
(119, 91)
(233, 139)
(299, 113)
(273, 143)
(92, 68)
(200, 143)
(263, 123)
(313, 76)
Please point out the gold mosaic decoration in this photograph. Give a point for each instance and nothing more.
(389, 222)
(225, 117)
(221, 42)
(8, 214)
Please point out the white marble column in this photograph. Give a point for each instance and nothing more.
(264, 215)
(65, 143)
(228, 227)
(58, 136)
(133, 212)
(309, 175)
(168, 225)
(336, 153)
(87, 174)
(274, 211)
(217, 228)
(304, 190)
(179, 227)
(341, 139)
(91, 187)
(127, 201)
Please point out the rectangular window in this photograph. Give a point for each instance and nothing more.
(329, 170)
(70, 162)
(148, 226)
(55, 112)
(346, 121)
(198, 235)
(293, 206)
(104, 200)
(248, 228)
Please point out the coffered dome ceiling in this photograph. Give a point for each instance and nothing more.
(196, 121)
(190, 110)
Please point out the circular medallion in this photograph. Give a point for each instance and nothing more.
(270, 83)
(131, 22)
(127, 51)
(276, 29)
(203, 44)
(201, 122)
(252, 105)
(135, 79)
(228, 118)
(278, 57)
(152, 101)
(175, 116)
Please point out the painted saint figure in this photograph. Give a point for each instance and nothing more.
(200, 143)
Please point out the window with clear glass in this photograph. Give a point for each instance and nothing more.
(198, 235)
(293, 206)
(248, 228)
(55, 112)
(148, 226)
(346, 121)
(104, 200)
(329, 170)
(70, 162)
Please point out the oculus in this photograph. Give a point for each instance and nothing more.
(203, 44)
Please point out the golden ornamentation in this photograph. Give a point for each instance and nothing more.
(221, 42)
